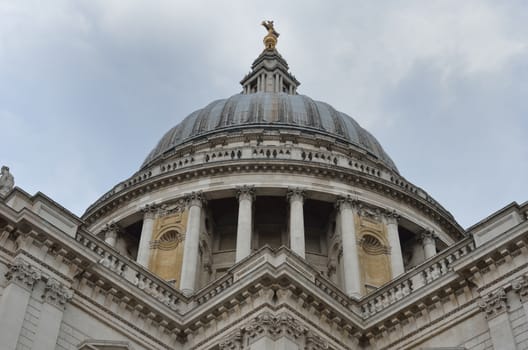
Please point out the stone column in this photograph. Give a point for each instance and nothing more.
(55, 297)
(520, 286)
(149, 213)
(495, 306)
(429, 243)
(194, 203)
(110, 232)
(246, 196)
(391, 220)
(296, 199)
(21, 277)
(351, 272)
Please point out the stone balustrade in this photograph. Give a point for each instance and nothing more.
(415, 279)
(132, 272)
(385, 296)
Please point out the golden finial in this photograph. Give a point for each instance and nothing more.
(270, 40)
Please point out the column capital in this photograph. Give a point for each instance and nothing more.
(495, 303)
(149, 211)
(390, 216)
(56, 293)
(245, 192)
(23, 274)
(295, 194)
(111, 230)
(344, 202)
(428, 236)
(195, 199)
(520, 286)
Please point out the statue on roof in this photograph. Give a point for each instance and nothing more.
(7, 181)
(270, 40)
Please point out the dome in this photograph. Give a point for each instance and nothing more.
(272, 110)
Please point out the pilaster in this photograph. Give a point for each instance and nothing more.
(55, 297)
(21, 278)
(495, 306)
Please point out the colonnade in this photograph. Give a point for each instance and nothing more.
(346, 207)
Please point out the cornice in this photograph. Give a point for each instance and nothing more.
(251, 166)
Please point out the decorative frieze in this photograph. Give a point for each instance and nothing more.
(23, 274)
(369, 212)
(274, 327)
(495, 303)
(277, 326)
(56, 294)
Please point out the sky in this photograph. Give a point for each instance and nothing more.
(87, 88)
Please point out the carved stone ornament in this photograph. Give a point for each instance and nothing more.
(494, 304)
(7, 181)
(391, 216)
(520, 285)
(369, 212)
(314, 342)
(234, 341)
(245, 192)
(194, 199)
(346, 202)
(295, 194)
(274, 327)
(169, 209)
(23, 274)
(428, 236)
(56, 293)
(150, 210)
(111, 229)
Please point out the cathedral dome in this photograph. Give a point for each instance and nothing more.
(273, 110)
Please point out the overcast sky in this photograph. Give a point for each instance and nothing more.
(87, 88)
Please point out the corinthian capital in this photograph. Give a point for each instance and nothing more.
(23, 274)
(344, 202)
(150, 210)
(428, 236)
(194, 199)
(495, 303)
(391, 217)
(245, 193)
(56, 294)
(520, 285)
(295, 194)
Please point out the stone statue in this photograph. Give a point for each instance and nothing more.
(7, 181)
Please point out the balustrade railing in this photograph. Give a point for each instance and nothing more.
(415, 279)
(131, 272)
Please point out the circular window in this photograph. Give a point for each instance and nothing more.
(372, 245)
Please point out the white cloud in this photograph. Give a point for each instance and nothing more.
(91, 85)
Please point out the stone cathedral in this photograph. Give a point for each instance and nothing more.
(266, 220)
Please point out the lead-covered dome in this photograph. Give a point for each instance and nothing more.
(277, 110)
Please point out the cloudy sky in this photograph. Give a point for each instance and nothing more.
(88, 87)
